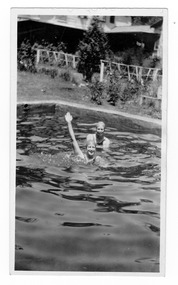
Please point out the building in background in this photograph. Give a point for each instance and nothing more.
(70, 28)
(158, 45)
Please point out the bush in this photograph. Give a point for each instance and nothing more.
(130, 89)
(137, 56)
(53, 72)
(66, 74)
(77, 78)
(152, 88)
(120, 89)
(95, 77)
(113, 87)
(26, 55)
(97, 91)
(59, 46)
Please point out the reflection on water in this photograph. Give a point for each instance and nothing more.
(74, 217)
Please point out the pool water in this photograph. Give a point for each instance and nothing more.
(74, 217)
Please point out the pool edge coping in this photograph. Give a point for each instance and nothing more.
(92, 108)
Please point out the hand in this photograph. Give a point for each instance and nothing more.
(68, 117)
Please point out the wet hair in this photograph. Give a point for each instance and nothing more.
(90, 141)
(100, 123)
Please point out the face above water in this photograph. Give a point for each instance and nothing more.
(100, 130)
(91, 149)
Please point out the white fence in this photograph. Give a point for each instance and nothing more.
(130, 71)
(139, 73)
(54, 57)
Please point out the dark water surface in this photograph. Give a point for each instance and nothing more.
(74, 217)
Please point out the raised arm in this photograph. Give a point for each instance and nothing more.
(77, 149)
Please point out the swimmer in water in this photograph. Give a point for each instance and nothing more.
(99, 139)
(90, 156)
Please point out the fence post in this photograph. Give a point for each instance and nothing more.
(37, 56)
(58, 56)
(128, 72)
(155, 74)
(54, 53)
(73, 61)
(66, 60)
(136, 69)
(119, 68)
(148, 73)
(140, 74)
(101, 71)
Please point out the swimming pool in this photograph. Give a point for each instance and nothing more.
(86, 218)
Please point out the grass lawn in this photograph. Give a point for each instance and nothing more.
(38, 86)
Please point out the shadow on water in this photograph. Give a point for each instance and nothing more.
(69, 224)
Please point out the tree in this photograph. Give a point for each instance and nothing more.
(145, 20)
(92, 49)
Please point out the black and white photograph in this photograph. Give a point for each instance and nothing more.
(89, 122)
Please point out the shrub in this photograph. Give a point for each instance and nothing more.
(77, 78)
(95, 77)
(120, 89)
(137, 56)
(53, 72)
(26, 57)
(113, 87)
(97, 91)
(152, 88)
(66, 74)
(130, 90)
(26, 54)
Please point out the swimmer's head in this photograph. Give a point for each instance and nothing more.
(100, 128)
(101, 124)
(91, 148)
(90, 142)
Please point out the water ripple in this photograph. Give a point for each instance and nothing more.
(71, 224)
(26, 220)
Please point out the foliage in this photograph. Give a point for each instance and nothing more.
(26, 57)
(97, 91)
(137, 20)
(132, 56)
(151, 88)
(95, 77)
(131, 88)
(77, 78)
(53, 72)
(120, 89)
(26, 54)
(66, 74)
(114, 89)
(137, 56)
(60, 46)
(92, 49)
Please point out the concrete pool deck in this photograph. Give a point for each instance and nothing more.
(156, 122)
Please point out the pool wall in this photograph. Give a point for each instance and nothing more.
(123, 121)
